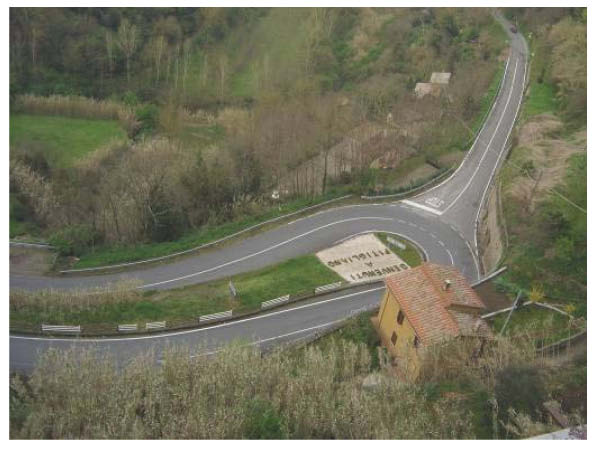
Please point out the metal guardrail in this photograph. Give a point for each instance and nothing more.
(31, 245)
(127, 327)
(489, 277)
(61, 328)
(155, 325)
(410, 191)
(327, 287)
(273, 302)
(215, 316)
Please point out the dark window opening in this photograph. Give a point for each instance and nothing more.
(400, 317)
(393, 338)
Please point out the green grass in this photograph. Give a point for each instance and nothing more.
(185, 304)
(545, 326)
(410, 254)
(117, 254)
(64, 139)
(541, 99)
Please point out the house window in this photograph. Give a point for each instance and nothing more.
(415, 342)
(393, 338)
(400, 317)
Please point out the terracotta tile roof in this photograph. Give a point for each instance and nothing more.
(434, 313)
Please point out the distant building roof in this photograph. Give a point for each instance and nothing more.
(440, 78)
(435, 312)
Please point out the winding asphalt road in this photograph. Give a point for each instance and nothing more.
(442, 221)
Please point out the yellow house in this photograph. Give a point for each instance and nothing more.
(423, 306)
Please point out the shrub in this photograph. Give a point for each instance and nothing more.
(74, 240)
(148, 116)
(263, 422)
(521, 389)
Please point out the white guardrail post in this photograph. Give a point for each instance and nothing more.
(215, 316)
(60, 328)
(155, 325)
(272, 302)
(327, 287)
(127, 327)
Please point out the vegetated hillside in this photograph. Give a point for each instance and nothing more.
(545, 179)
(225, 105)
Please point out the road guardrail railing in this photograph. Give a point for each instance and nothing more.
(106, 329)
(274, 302)
(327, 288)
(60, 329)
(215, 316)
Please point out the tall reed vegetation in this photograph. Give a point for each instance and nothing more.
(59, 306)
(233, 394)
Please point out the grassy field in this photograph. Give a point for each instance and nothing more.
(64, 139)
(117, 254)
(541, 99)
(410, 254)
(293, 276)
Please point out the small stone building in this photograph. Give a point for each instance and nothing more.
(424, 306)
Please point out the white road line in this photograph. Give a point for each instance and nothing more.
(476, 138)
(249, 256)
(202, 329)
(489, 143)
(264, 340)
(441, 243)
(421, 206)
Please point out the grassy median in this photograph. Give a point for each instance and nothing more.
(123, 305)
(410, 255)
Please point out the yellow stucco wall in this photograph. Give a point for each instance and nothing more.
(403, 349)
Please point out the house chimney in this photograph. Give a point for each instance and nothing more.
(446, 286)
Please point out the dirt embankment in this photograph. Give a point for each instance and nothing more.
(536, 164)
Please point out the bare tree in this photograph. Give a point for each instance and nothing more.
(109, 46)
(127, 43)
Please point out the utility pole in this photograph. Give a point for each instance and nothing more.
(514, 307)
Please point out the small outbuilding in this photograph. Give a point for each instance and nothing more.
(424, 306)
(440, 78)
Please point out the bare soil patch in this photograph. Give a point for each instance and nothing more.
(545, 155)
(30, 260)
